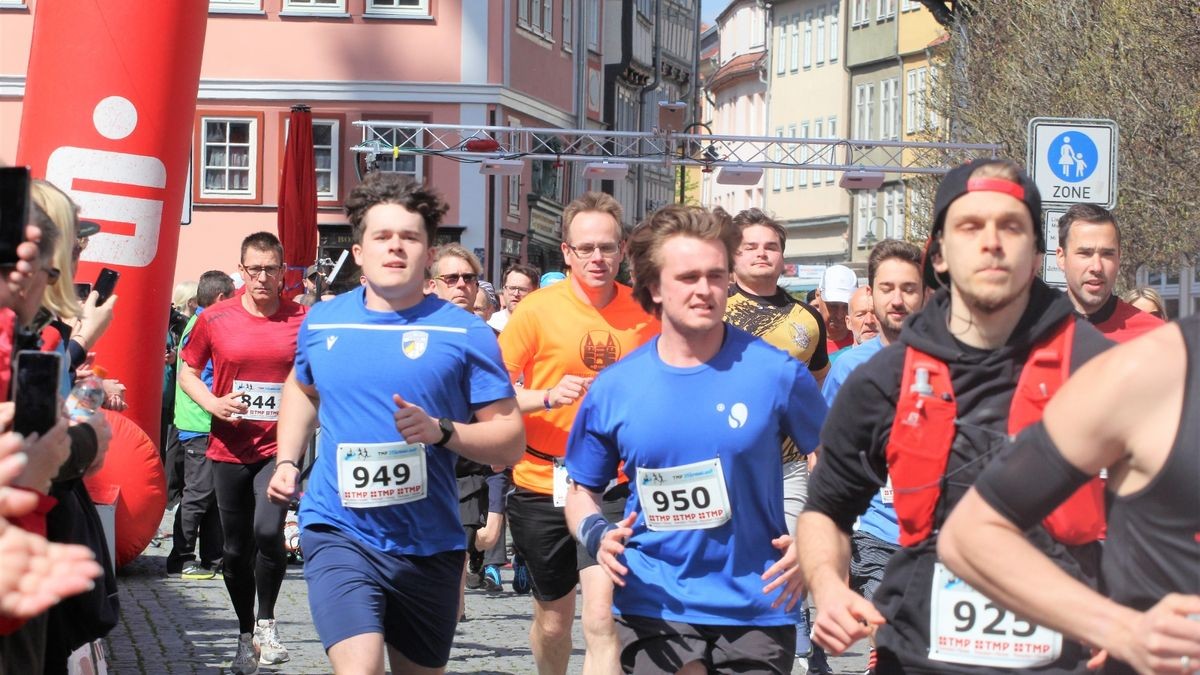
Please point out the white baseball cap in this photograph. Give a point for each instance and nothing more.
(838, 284)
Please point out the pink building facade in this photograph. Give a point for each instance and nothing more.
(424, 61)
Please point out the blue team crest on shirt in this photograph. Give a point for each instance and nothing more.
(414, 343)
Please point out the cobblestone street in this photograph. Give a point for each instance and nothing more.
(169, 625)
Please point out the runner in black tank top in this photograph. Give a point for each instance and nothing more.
(1134, 410)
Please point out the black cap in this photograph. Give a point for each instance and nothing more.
(957, 183)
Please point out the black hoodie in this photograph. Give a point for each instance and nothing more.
(854, 443)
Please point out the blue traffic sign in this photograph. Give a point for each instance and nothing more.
(1072, 156)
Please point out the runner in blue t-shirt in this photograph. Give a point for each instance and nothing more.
(704, 567)
(894, 277)
(393, 376)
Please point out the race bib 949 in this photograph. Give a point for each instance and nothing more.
(380, 474)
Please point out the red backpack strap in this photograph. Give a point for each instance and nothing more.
(919, 445)
(1080, 519)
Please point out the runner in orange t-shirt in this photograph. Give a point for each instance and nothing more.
(561, 337)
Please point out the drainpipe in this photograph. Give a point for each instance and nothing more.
(694, 96)
(640, 192)
(901, 82)
(581, 73)
(764, 77)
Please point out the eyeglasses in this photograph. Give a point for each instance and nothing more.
(452, 279)
(586, 250)
(518, 289)
(271, 271)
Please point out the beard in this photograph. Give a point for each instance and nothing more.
(992, 302)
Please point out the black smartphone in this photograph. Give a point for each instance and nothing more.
(35, 391)
(14, 211)
(105, 283)
(82, 291)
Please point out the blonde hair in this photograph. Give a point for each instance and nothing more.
(1146, 293)
(184, 291)
(600, 202)
(60, 296)
(456, 251)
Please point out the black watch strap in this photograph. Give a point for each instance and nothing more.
(447, 426)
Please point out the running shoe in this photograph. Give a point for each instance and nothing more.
(817, 663)
(195, 571)
(491, 579)
(474, 580)
(245, 662)
(266, 638)
(520, 584)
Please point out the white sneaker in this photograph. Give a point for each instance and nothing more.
(267, 640)
(245, 662)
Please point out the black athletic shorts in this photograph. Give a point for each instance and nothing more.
(661, 646)
(540, 535)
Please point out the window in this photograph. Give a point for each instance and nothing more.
(536, 16)
(804, 156)
(864, 95)
(831, 175)
(593, 25)
(229, 157)
(834, 35)
(910, 6)
(885, 9)
(931, 115)
(791, 174)
(397, 8)
(405, 163)
(568, 27)
(781, 51)
(819, 132)
(820, 31)
(228, 5)
(808, 39)
(893, 212)
(794, 51)
(864, 217)
(861, 12)
(314, 6)
(916, 119)
(777, 179)
(889, 118)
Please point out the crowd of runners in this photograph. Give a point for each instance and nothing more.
(951, 461)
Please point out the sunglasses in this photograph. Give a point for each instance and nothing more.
(452, 279)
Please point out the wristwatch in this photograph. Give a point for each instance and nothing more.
(447, 426)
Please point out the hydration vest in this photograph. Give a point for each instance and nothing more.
(924, 429)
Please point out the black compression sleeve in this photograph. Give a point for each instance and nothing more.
(1029, 479)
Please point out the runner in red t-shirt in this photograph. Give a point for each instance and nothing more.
(251, 340)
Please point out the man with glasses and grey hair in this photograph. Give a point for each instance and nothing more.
(251, 341)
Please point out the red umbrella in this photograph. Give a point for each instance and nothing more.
(298, 201)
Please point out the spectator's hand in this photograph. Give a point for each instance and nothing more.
(282, 489)
(36, 574)
(46, 455)
(414, 424)
(94, 320)
(114, 395)
(8, 411)
(99, 423)
(27, 254)
(568, 390)
(225, 407)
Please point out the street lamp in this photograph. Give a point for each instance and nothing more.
(870, 238)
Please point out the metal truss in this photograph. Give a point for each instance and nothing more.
(469, 143)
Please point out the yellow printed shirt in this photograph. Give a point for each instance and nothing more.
(787, 324)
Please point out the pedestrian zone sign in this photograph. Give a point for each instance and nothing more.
(1074, 161)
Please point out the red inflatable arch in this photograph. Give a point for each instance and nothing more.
(134, 471)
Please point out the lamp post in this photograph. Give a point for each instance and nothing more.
(870, 238)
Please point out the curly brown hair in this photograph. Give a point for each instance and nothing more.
(383, 187)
